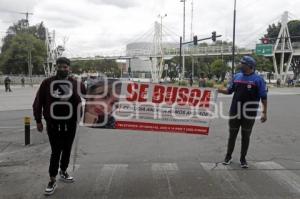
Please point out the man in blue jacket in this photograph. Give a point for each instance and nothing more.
(249, 89)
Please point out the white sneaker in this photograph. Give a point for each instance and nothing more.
(50, 188)
(64, 176)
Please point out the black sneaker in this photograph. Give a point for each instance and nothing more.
(227, 160)
(50, 188)
(64, 176)
(244, 164)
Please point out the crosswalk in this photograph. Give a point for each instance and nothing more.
(189, 180)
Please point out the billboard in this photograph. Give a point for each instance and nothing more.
(152, 107)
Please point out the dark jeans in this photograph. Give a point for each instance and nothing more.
(234, 126)
(61, 137)
(7, 88)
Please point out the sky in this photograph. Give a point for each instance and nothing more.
(94, 27)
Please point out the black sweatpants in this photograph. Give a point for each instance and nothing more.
(246, 126)
(61, 136)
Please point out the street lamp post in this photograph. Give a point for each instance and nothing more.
(183, 39)
(161, 26)
(161, 43)
(233, 42)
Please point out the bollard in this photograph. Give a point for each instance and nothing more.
(27, 130)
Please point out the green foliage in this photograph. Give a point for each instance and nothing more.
(172, 72)
(16, 46)
(219, 69)
(273, 31)
(210, 83)
(294, 28)
(108, 67)
(295, 65)
(15, 58)
(182, 83)
(263, 63)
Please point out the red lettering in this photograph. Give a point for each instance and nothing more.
(182, 97)
(143, 92)
(194, 97)
(205, 99)
(158, 94)
(171, 95)
(131, 88)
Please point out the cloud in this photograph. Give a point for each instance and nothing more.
(93, 26)
(13, 10)
(117, 3)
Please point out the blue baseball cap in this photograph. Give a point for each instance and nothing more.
(249, 61)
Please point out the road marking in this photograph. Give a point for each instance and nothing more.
(106, 176)
(228, 178)
(214, 166)
(162, 172)
(280, 174)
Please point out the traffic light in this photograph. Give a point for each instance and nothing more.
(195, 40)
(214, 36)
(265, 40)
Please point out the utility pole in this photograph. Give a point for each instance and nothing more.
(192, 35)
(183, 39)
(192, 20)
(233, 42)
(27, 16)
(29, 46)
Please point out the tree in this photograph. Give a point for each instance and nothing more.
(219, 69)
(172, 71)
(15, 58)
(295, 65)
(108, 67)
(263, 63)
(294, 28)
(19, 41)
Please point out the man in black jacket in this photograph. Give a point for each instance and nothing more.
(59, 99)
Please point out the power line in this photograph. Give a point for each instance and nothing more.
(260, 30)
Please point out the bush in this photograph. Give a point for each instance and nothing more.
(210, 83)
(182, 83)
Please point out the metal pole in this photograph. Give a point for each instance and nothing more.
(193, 67)
(180, 53)
(183, 58)
(233, 42)
(161, 27)
(192, 19)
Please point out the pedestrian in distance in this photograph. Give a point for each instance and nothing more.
(191, 81)
(23, 81)
(249, 89)
(59, 99)
(278, 83)
(7, 82)
(202, 81)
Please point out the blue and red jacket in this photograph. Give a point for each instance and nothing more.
(247, 89)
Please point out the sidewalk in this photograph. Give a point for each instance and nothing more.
(19, 99)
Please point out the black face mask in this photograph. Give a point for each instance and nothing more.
(62, 74)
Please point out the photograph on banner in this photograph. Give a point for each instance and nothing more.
(149, 107)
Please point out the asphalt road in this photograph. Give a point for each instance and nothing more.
(123, 164)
